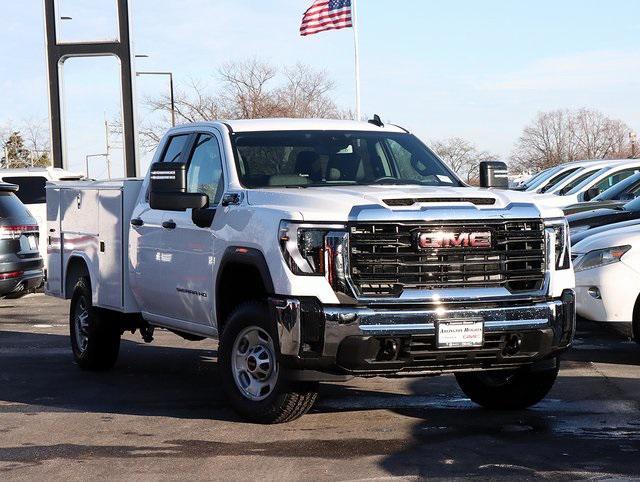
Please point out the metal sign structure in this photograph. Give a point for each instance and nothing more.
(58, 53)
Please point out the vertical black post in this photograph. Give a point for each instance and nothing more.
(126, 81)
(53, 59)
(57, 53)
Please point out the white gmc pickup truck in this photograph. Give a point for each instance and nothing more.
(316, 251)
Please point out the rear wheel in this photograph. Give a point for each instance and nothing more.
(95, 339)
(508, 390)
(249, 363)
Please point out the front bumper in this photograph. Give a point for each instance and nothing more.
(356, 340)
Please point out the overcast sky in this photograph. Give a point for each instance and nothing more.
(479, 70)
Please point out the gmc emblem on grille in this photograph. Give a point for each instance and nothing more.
(444, 239)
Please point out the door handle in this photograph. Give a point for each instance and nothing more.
(169, 225)
(137, 222)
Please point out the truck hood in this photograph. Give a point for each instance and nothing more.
(350, 203)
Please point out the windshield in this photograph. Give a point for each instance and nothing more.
(575, 185)
(630, 185)
(559, 178)
(531, 179)
(333, 158)
(535, 182)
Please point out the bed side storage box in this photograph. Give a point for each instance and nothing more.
(93, 222)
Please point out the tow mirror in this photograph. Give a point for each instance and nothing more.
(168, 189)
(494, 174)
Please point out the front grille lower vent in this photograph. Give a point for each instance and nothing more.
(385, 260)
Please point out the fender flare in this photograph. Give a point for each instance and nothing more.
(73, 257)
(245, 256)
(249, 257)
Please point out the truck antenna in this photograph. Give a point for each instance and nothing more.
(376, 121)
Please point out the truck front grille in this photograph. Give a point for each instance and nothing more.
(385, 260)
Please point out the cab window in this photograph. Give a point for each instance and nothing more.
(31, 188)
(205, 168)
(174, 148)
(615, 178)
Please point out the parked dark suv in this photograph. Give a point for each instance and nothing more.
(20, 261)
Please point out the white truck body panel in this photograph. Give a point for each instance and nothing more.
(90, 220)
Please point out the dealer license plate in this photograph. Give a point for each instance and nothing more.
(460, 334)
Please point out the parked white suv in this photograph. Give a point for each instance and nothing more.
(31, 182)
(317, 250)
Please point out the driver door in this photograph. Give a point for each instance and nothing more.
(192, 248)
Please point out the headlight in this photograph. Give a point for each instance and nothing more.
(303, 246)
(601, 257)
(560, 231)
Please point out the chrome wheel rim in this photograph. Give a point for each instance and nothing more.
(254, 366)
(81, 321)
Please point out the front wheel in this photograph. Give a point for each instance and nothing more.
(95, 339)
(250, 370)
(508, 390)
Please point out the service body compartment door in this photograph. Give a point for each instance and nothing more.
(109, 291)
(53, 285)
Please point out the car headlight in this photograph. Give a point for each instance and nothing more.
(601, 257)
(560, 231)
(303, 246)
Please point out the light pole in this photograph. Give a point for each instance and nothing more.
(86, 161)
(173, 104)
(633, 137)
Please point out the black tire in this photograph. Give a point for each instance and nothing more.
(286, 400)
(508, 390)
(96, 346)
(635, 323)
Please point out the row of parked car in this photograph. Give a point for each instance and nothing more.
(23, 220)
(602, 202)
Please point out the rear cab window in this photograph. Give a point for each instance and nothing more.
(32, 188)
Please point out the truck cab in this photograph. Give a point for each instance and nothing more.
(317, 250)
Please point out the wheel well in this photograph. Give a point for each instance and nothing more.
(237, 283)
(76, 269)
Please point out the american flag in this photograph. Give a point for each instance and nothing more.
(326, 15)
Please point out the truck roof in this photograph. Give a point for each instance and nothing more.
(54, 173)
(254, 125)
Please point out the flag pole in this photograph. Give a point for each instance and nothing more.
(356, 46)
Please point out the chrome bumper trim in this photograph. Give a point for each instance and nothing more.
(429, 328)
(342, 322)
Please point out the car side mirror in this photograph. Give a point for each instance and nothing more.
(494, 174)
(168, 188)
(591, 193)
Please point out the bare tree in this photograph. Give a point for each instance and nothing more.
(462, 156)
(248, 89)
(562, 135)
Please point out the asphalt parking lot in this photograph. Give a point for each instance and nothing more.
(160, 414)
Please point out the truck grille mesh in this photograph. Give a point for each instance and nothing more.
(384, 259)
